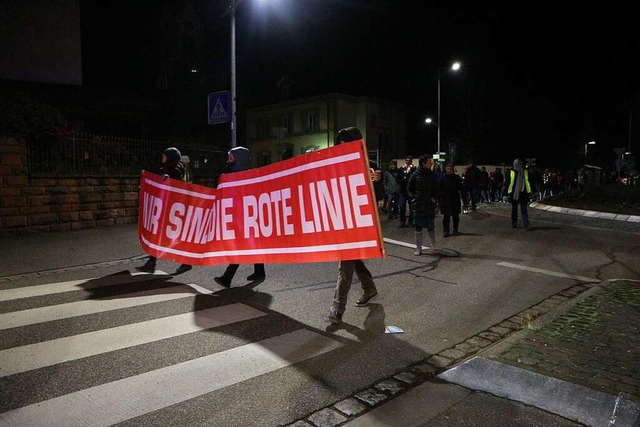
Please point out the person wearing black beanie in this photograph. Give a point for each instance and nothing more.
(238, 159)
(171, 167)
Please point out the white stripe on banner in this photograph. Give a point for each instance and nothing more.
(92, 306)
(47, 353)
(122, 400)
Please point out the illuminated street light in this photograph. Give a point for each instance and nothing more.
(454, 67)
(586, 147)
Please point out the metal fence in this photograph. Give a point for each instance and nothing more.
(81, 154)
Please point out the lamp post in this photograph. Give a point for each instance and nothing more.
(430, 121)
(586, 147)
(454, 67)
(234, 116)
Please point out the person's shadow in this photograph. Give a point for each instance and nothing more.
(372, 327)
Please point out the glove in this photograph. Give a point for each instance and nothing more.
(164, 176)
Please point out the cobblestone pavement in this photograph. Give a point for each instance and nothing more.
(593, 344)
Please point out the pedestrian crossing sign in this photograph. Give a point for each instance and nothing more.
(219, 107)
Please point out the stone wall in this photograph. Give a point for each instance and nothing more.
(40, 203)
(51, 203)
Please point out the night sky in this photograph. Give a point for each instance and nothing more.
(537, 79)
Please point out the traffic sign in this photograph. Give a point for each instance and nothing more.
(219, 107)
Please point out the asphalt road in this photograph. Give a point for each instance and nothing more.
(157, 350)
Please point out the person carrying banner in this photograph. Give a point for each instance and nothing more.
(238, 159)
(171, 167)
(348, 267)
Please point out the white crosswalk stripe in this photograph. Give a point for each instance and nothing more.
(120, 400)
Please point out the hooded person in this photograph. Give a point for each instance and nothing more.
(346, 268)
(519, 191)
(239, 159)
(171, 167)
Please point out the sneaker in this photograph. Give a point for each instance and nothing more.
(222, 281)
(445, 234)
(183, 268)
(256, 276)
(455, 232)
(364, 300)
(334, 317)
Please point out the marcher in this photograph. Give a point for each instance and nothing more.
(347, 268)
(405, 174)
(171, 167)
(422, 190)
(392, 189)
(450, 193)
(472, 183)
(238, 159)
(519, 192)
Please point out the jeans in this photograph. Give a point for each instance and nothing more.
(346, 269)
(523, 201)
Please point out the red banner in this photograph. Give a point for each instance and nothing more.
(310, 208)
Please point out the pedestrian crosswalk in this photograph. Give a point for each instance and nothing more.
(138, 390)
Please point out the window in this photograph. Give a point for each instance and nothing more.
(312, 121)
(386, 112)
(373, 121)
(263, 128)
(287, 123)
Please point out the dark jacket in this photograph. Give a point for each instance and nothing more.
(450, 192)
(176, 170)
(423, 192)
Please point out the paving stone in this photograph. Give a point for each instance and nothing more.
(439, 361)
(371, 396)
(350, 406)
(452, 353)
(326, 418)
(407, 377)
(424, 368)
(467, 348)
(300, 423)
(479, 341)
(389, 385)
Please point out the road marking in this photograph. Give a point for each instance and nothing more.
(81, 308)
(47, 353)
(549, 272)
(78, 285)
(122, 400)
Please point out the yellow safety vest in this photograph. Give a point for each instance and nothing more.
(513, 178)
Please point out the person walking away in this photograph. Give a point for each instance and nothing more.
(405, 173)
(422, 190)
(499, 184)
(348, 267)
(473, 183)
(519, 192)
(392, 189)
(171, 167)
(450, 193)
(238, 159)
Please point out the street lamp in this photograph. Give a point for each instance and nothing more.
(234, 119)
(586, 147)
(454, 67)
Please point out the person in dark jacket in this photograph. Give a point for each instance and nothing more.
(423, 194)
(450, 193)
(519, 192)
(171, 167)
(346, 268)
(238, 159)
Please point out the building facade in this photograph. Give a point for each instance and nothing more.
(279, 131)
